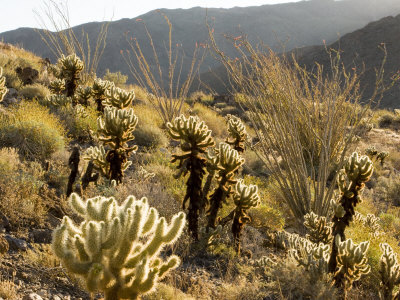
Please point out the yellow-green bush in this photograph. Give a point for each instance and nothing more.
(213, 120)
(33, 130)
(150, 136)
(35, 90)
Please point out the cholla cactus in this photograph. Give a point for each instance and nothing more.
(99, 90)
(70, 68)
(246, 197)
(237, 133)
(229, 161)
(351, 181)
(115, 249)
(371, 152)
(118, 98)
(195, 138)
(58, 100)
(313, 257)
(83, 95)
(371, 221)
(390, 273)
(352, 263)
(3, 88)
(382, 156)
(145, 175)
(57, 86)
(320, 231)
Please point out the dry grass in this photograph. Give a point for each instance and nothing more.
(8, 290)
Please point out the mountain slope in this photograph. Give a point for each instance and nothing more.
(301, 24)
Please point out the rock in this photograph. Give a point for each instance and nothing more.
(27, 75)
(42, 293)
(4, 223)
(41, 236)
(32, 296)
(55, 297)
(16, 244)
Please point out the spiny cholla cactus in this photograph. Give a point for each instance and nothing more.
(83, 95)
(371, 221)
(390, 273)
(313, 257)
(237, 133)
(70, 68)
(228, 161)
(99, 90)
(371, 152)
(195, 138)
(58, 100)
(319, 230)
(57, 86)
(118, 98)
(352, 263)
(351, 181)
(3, 88)
(245, 197)
(382, 156)
(116, 248)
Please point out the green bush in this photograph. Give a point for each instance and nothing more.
(36, 91)
(150, 136)
(31, 129)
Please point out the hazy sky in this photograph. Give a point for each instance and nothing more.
(19, 13)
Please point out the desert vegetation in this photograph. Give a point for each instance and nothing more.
(287, 189)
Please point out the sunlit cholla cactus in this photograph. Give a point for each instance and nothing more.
(371, 221)
(237, 133)
(115, 130)
(57, 86)
(245, 197)
(209, 240)
(118, 98)
(3, 88)
(382, 156)
(80, 111)
(313, 257)
(351, 181)
(58, 100)
(99, 90)
(229, 161)
(116, 247)
(70, 68)
(83, 94)
(319, 230)
(371, 152)
(390, 273)
(352, 263)
(144, 175)
(195, 138)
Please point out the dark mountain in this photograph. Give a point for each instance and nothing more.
(296, 24)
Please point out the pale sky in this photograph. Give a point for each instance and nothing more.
(19, 13)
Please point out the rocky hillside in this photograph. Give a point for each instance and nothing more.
(297, 24)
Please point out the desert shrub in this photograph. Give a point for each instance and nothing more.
(32, 130)
(167, 292)
(220, 105)
(230, 110)
(147, 115)
(8, 290)
(393, 190)
(389, 121)
(150, 136)
(215, 122)
(118, 78)
(199, 96)
(253, 165)
(36, 90)
(12, 79)
(20, 185)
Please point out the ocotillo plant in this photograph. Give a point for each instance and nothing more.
(116, 248)
(115, 131)
(195, 138)
(229, 161)
(99, 90)
(319, 230)
(70, 68)
(390, 273)
(3, 88)
(83, 94)
(57, 86)
(352, 263)
(118, 98)
(351, 179)
(237, 133)
(246, 197)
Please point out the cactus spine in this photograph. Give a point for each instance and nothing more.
(3, 88)
(237, 133)
(351, 182)
(115, 249)
(320, 231)
(195, 139)
(227, 161)
(99, 90)
(352, 263)
(70, 68)
(245, 198)
(390, 273)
